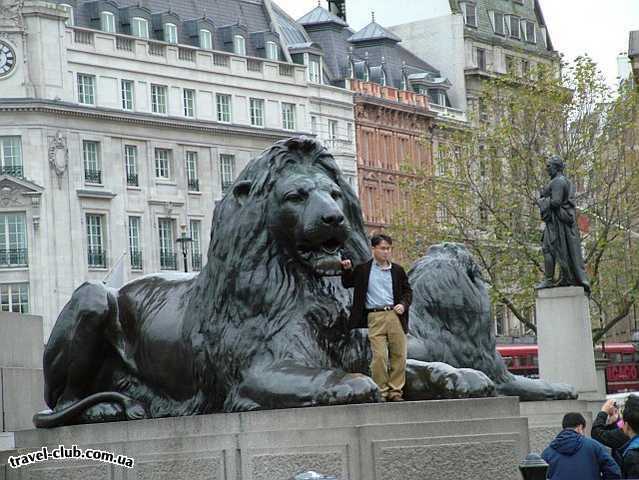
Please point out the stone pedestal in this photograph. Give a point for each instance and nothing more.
(564, 337)
(479, 439)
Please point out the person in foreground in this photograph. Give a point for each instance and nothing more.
(573, 456)
(606, 430)
(630, 451)
(380, 303)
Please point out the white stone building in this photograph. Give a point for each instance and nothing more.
(121, 125)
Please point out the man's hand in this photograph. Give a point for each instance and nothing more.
(611, 409)
(399, 309)
(346, 264)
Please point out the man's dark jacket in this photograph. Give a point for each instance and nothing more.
(630, 453)
(358, 277)
(572, 456)
(610, 435)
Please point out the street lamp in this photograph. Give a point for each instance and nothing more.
(184, 241)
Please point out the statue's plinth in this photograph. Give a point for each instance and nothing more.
(482, 439)
(564, 337)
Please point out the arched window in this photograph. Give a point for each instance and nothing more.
(107, 22)
(206, 39)
(170, 33)
(239, 45)
(140, 27)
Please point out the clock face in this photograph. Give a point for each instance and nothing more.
(7, 59)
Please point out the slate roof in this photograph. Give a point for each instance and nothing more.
(371, 32)
(320, 15)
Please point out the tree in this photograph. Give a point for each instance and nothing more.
(486, 180)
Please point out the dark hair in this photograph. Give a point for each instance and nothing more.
(573, 420)
(379, 238)
(631, 412)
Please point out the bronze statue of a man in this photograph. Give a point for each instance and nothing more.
(561, 243)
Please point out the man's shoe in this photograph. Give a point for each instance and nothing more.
(396, 398)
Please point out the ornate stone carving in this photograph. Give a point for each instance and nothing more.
(11, 13)
(58, 155)
(11, 196)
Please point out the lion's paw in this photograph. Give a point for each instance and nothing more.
(351, 388)
(432, 380)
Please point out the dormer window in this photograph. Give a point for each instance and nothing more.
(272, 51)
(314, 71)
(514, 27)
(499, 23)
(170, 33)
(107, 22)
(140, 27)
(206, 39)
(239, 45)
(469, 11)
(528, 30)
(69, 22)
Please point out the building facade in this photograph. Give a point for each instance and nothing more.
(122, 125)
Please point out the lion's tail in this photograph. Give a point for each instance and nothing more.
(51, 419)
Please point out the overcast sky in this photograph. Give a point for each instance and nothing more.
(598, 28)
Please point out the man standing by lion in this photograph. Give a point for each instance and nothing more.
(380, 303)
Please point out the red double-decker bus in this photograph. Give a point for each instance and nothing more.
(622, 373)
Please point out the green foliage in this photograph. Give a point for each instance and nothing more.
(485, 181)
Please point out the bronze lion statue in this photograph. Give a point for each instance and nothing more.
(264, 325)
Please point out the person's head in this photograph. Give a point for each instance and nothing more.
(575, 421)
(381, 246)
(554, 165)
(631, 416)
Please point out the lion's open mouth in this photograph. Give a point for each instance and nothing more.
(324, 258)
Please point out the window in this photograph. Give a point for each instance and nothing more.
(314, 71)
(14, 297)
(92, 164)
(196, 245)
(140, 27)
(223, 108)
(11, 156)
(86, 89)
(481, 58)
(528, 29)
(135, 250)
(131, 165)
(514, 27)
(332, 129)
(13, 240)
(107, 22)
(257, 112)
(367, 75)
(314, 124)
(383, 79)
(499, 24)
(127, 94)
(469, 11)
(239, 45)
(95, 241)
(191, 172)
(436, 96)
(510, 65)
(189, 102)
(158, 99)
(288, 116)
(272, 51)
(206, 39)
(69, 22)
(227, 170)
(170, 33)
(162, 163)
(349, 132)
(167, 250)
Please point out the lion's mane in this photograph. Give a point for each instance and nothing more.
(249, 290)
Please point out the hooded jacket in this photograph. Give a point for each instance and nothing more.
(630, 454)
(571, 456)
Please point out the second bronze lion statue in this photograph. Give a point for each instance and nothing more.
(261, 326)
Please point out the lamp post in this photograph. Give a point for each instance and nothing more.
(184, 241)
